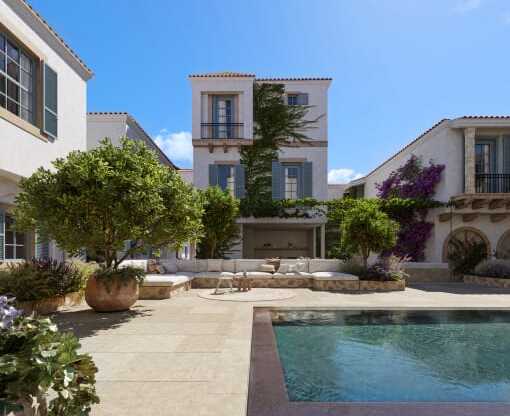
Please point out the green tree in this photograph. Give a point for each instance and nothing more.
(96, 200)
(365, 229)
(275, 124)
(221, 231)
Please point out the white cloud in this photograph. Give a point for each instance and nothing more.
(465, 6)
(343, 175)
(177, 146)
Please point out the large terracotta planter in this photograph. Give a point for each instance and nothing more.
(111, 295)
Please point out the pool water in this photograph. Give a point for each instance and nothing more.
(379, 356)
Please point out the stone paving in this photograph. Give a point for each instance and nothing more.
(191, 356)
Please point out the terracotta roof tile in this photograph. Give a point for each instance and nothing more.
(486, 117)
(225, 74)
(58, 37)
(295, 79)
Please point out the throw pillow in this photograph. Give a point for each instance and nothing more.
(274, 262)
(152, 267)
(284, 268)
(269, 268)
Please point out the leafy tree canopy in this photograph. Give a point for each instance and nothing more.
(365, 229)
(221, 231)
(96, 200)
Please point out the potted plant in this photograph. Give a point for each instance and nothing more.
(41, 371)
(114, 202)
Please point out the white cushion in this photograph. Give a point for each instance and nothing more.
(160, 280)
(201, 265)
(324, 265)
(186, 265)
(229, 266)
(212, 275)
(269, 268)
(259, 275)
(284, 268)
(292, 263)
(248, 265)
(170, 266)
(298, 267)
(137, 264)
(333, 276)
(302, 275)
(214, 265)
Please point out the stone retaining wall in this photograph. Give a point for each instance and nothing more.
(50, 305)
(341, 285)
(487, 281)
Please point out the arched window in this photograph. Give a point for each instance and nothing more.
(466, 235)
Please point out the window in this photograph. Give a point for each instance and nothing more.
(14, 241)
(297, 99)
(291, 182)
(483, 156)
(223, 116)
(16, 80)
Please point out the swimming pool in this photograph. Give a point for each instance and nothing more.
(394, 356)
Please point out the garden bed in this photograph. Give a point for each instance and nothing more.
(50, 305)
(487, 281)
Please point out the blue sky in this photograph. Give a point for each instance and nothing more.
(398, 66)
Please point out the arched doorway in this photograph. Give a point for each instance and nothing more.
(503, 247)
(466, 235)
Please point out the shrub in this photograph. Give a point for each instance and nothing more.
(386, 269)
(40, 279)
(99, 199)
(366, 229)
(494, 268)
(40, 366)
(464, 256)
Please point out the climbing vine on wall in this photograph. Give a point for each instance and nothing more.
(275, 124)
(418, 183)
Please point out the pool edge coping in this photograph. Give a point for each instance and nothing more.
(267, 393)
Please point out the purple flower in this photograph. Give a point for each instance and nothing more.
(8, 313)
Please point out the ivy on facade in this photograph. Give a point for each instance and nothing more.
(275, 124)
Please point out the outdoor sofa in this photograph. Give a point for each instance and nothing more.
(320, 274)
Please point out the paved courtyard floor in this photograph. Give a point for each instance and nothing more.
(191, 356)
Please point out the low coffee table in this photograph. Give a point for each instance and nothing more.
(243, 283)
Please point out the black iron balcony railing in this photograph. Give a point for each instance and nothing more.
(493, 183)
(222, 130)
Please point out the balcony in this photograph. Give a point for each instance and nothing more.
(222, 130)
(492, 183)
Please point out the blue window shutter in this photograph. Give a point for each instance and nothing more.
(223, 172)
(239, 175)
(302, 99)
(307, 180)
(506, 154)
(42, 247)
(278, 180)
(2, 234)
(213, 175)
(50, 97)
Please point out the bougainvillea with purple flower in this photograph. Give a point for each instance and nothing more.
(417, 182)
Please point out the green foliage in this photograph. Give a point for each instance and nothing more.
(464, 256)
(279, 208)
(98, 199)
(365, 229)
(275, 124)
(122, 274)
(499, 268)
(221, 231)
(41, 366)
(40, 279)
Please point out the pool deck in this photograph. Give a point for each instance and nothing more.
(191, 356)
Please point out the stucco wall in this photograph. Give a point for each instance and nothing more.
(100, 127)
(22, 153)
(442, 145)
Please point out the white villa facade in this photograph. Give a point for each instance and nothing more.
(222, 121)
(476, 153)
(43, 101)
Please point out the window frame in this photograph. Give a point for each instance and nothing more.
(31, 89)
(294, 185)
(14, 244)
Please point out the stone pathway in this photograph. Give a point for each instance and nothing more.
(191, 356)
